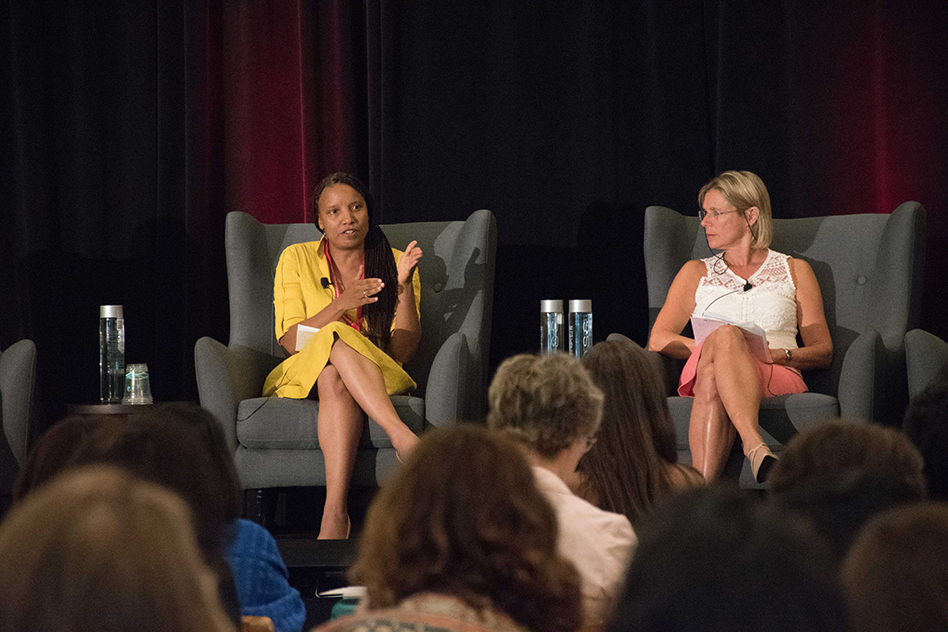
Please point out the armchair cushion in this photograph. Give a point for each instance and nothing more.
(275, 423)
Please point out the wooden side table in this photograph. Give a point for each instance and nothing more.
(115, 409)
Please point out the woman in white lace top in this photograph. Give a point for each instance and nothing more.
(746, 282)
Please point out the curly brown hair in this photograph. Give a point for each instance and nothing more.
(464, 517)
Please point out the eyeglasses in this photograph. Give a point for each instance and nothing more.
(714, 214)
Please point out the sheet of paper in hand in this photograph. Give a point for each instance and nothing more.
(704, 324)
(303, 334)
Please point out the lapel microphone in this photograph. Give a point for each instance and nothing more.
(326, 283)
(747, 286)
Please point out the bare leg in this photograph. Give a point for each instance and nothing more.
(727, 382)
(364, 381)
(710, 433)
(339, 428)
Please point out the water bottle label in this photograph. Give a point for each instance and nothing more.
(551, 332)
(580, 333)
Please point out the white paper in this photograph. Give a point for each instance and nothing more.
(346, 592)
(303, 334)
(756, 338)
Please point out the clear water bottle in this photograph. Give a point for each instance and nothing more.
(551, 327)
(580, 327)
(111, 354)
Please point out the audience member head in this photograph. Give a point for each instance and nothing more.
(926, 425)
(71, 442)
(630, 467)
(464, 517)
(896, 573)
(172, 446)
(839, 475)
(96, 549)
(547, 402)
(744, 190)
(715, 558)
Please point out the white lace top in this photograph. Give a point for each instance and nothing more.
(770, 303)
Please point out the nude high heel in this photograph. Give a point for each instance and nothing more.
(762, 460)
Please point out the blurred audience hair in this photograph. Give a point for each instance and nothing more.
(896, 573)
(96, 549)
(840, 475)
(70, 442)
(634, 462)
(926, 425)
(716, 558)
(464, 517)
(545, 401)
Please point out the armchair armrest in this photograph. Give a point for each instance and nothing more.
(225, 377)
(872, 385)
(447, 396)
(925, 355)
(17, 381)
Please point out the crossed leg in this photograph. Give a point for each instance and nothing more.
(347, 386)
(339, 428)
(727, 401)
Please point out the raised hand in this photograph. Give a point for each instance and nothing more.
(407, 262)
(359, 291)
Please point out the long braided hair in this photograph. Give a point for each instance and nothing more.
(379, 263)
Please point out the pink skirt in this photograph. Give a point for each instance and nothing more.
(774, 379)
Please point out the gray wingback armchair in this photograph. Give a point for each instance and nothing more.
(925, 356)
(869, 267)
(274, 440)
(17, 393)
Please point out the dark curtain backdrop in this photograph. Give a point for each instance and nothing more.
(131, 127)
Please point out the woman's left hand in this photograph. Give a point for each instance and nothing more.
(407, 262)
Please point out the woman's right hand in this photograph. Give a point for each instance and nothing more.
(359, 292)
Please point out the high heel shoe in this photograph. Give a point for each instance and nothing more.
(762, 460)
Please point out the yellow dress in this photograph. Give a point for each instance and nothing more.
(298, 294)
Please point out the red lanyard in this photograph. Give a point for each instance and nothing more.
(357, 324)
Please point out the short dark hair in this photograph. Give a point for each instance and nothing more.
(179, 447)
(895, 573)
(70, 442)
(926, 425)
(716, 558)
(840, 475)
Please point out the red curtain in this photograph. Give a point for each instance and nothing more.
(277, 104)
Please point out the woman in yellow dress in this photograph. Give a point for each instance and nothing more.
(362, 296)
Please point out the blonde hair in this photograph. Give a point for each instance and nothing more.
(547, 402)
(743, 189)
(98, 549)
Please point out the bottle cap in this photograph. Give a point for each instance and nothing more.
(581, 306)
(110, 311)
(551, 306)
